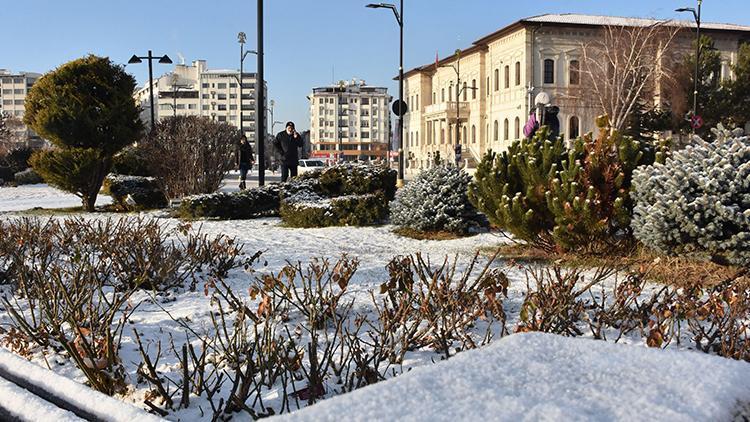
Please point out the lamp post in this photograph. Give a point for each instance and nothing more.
(242, 38)
(400, 20)
(175, 88)
(697, 17)
(459, 90)
(163, 60)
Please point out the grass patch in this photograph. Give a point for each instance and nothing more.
(430, 235)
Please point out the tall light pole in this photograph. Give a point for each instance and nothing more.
(697, 17)
(163, 60)
(176, 88)
(242, 38)
(400, 20)
(260, 126)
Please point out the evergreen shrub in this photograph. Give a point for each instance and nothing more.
(28, 177)
(134, 193)
(250, 203)
(437, 200)
(131, 162)
(6, 175)
(697, 203)
(309, 209)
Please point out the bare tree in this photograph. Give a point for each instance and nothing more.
(626, 65)
(7, 139)
(190, 155)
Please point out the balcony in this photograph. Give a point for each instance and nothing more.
(447, 111)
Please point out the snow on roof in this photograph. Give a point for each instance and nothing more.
(577, 19)
(538, 376)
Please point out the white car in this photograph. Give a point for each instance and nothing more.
(310, 165)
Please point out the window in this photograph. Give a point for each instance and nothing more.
(222, 96)
(433, 98)
(232, 96)
(450, 93)
(518, 73)
(232, 85)
(497, 131)
(497, 79)
(473, 89)
(465, 89)
(507, 77)
(222, 86)
(517, 129)
(222, 118)
(18, 91)
(473, 134)
(233, 106)
(575, 72)
(416, 106)
(463, 135)
(506, 130)
(222, 107)
(192, 106)
(416, 138)
(204, 85)
(204, 96)
(573, 127)
(442, 95)
(487, 86)
(205, 107)
(549, 71)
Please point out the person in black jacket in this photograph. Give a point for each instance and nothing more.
(244, 159)
(286, 144)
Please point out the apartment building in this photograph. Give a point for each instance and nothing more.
(349, 121)
(195, 90)
(13, 90)
(500, 74)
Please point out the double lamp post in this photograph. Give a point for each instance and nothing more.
(697, 17)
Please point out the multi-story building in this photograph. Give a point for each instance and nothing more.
(13, 90)
(500, 75)
(194, 90)
(349, 121)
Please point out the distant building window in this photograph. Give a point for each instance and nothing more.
(222, 86)
(549, 71)
(232, 85)
(222, 118)
(473, 134)
(574, 127)
(506, 130)
(442, 95)
(517, 129)
(575, 72)
(497, 79)
(450, 93)
(496, 131)
(192, 106)
(473, 89)
(205, 107)
(465, 89)
(507, 77)
(518, 73)
(204, 85)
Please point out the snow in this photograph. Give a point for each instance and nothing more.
(104, 407)
(32, 196)
(546, 377)
(26, 406)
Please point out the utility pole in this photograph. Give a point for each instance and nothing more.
(260, 127)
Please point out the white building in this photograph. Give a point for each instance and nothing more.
(13, 90)
(194, 90)
(349, 121)
(503, 72)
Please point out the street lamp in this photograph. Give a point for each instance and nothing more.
(697, 17)
(175, 88)
(459, 90)
(163, 60)
(400, 20)
(242, 38)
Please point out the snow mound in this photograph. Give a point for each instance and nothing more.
(538, 376)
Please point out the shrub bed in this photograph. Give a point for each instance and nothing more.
(28, 177)
(257, 202)
(309, 209)
(437, 201)
(6, 175)
(698, 202)
(354, 179)
(134, 193)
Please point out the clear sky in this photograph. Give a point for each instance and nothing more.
(308, 43)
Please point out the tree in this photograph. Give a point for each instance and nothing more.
(86, 110)
(626, 65)
(7, 139)
(739, 88)
(189, 155)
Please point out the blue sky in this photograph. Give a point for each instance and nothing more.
(308, 43)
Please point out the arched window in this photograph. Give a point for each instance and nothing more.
(416, 139)
(442, 95)
(518, 73)
(487, 132)
(574, 70)
(465, 89)
(506, 130)
(517, 129)
(574, 128)
(473, 89)
(507, 76)
(433, 97)
(463, 135)
(496, 132)
(549, 71)
(473, 134)
(450, 93)
(487, 86)
(497, 79)
(416, 106)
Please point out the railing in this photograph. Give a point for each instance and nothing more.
(448, 108)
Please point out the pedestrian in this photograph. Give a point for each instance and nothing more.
(245, 159)
(544, 114)
(286, 144)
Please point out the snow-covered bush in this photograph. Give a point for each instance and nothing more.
(28, 177)
(310, 209)
(437, 200)
(354, 179)
(698, 202)
(250, 203)
(134, 193)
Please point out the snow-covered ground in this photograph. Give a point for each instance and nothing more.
(541, 377)
(536, 376)
(26, 197)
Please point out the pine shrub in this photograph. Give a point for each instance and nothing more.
(698, 202)
(309, 209)
(134, 193)
(131, 162)
(436, 200)
(251, 203)
(6, 175)
(76, 170)
(28, 177)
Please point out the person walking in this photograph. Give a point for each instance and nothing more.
(544, 114)
(286, 145)
(244, 159)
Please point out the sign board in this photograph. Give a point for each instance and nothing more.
(399, 108)
(696, 122)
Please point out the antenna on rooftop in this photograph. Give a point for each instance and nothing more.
(182, 58)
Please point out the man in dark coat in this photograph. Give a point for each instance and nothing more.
(245, 160)
(286, 145)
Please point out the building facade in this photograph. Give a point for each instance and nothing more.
(349, 121)
(13, 90)
(194, 90)
(498, 77)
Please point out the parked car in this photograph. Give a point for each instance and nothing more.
(310, 165)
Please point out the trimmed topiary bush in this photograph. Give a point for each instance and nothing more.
(250, 203)
(28, 177)
(309, 209)
(698, 202)
(134, 193)
(437, 200)
(130, 162)
(354, 179)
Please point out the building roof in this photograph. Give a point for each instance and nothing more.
(577, 20)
